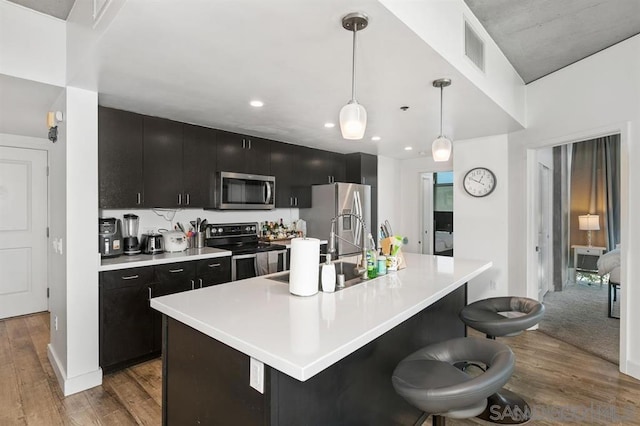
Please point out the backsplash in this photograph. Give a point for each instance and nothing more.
(151, 219)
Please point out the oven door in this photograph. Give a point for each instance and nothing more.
(244, 266)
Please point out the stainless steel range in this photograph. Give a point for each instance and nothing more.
(250, 257)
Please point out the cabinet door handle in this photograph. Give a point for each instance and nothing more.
(249, 143)
(138, 198)
(175, 271)
(200, 281)
(130, 277)
(364, 180)
(244, 143)
(214, 265)
(179, 199)
(291, 201)
(187, 198)
(296, 198)
(193, 285)
(149, 288)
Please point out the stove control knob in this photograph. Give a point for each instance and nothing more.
(253, 228)
(248, 228)
(220, 230)
(214, 230)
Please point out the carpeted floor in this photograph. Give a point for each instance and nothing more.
(578, 315)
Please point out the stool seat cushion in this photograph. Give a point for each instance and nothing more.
(484, 315)
(428, 380)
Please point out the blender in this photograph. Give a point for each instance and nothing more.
(130, 230)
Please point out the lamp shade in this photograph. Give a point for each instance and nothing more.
(441, 149)
(353, 120)
(589, 222)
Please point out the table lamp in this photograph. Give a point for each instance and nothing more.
(589, 222)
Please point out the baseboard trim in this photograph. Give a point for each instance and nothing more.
(633, 369)
(72, 385)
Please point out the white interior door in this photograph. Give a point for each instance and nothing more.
(426, 237)
(23, 227)
(544, 231)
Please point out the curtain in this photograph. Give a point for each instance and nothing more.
(595, 189)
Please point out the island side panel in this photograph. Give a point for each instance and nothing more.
(206, 381)
(358, 389)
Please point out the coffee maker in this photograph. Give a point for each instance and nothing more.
(110, 236)
(130, 223)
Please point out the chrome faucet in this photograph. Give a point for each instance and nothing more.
(362, 268)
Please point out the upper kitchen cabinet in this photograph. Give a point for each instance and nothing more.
(162, 167)
(289, 164)
(243, 154)
(362, 168)
(120, 155)
(325, 166)
(199, 165)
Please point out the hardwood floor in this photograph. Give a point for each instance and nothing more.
(553, 376)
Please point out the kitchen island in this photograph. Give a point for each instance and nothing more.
(323, 359)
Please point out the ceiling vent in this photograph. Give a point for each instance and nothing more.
(473, 46)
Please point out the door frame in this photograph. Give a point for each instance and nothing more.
(545, 193)
(624, 129)
(426, 224)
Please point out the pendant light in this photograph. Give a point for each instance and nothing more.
(353, 116)
(441, 147)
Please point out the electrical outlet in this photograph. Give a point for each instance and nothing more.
(55, 322)
(492, 284)
(256, 375)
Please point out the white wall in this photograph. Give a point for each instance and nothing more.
(152, 220)
(440, 23)
(410, 224)
(481, 224)
(32, 45)
(571, 105)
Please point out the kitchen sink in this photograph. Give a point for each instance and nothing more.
(351, 277)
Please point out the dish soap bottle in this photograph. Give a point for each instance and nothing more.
(372, 260)
(328, 276)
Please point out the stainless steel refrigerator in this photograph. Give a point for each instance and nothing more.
(327, 201)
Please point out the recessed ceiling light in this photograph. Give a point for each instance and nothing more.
(375, 138)
(408, 148)
(329, 125)
(256, 104)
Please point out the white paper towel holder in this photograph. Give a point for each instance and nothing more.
(303, 273)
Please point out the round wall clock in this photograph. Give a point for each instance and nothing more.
(479, 182)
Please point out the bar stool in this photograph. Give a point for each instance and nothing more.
(428, 379)
(484, 316)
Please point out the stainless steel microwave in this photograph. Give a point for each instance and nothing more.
(242, 191)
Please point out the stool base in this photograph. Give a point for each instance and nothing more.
(506, 408)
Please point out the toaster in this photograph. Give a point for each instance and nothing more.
(174, 241)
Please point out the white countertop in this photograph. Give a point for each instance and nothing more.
(301, 336)
(124, 262)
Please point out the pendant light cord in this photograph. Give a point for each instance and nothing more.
(441, 90)
(353, 62)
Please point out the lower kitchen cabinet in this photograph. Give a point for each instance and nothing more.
(213, 271)
(130, 330)
(126, 321)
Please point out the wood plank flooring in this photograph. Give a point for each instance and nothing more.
(563, 384)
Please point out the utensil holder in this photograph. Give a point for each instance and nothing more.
(199, 240)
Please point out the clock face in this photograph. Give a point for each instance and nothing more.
(479, 182)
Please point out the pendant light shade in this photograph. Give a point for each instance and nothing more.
(353, 116)
(441, 147)
(353, 120)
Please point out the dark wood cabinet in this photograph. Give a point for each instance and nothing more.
(213, 271)
(120, 159)
(243, 154)
(130, 330)
(199, 166)
(126, 322)
(162, 140)
(339, 167)
(283, 157)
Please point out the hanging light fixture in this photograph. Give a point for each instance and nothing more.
(353, 116)
(441, 147)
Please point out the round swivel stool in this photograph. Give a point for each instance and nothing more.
(429, 380)
(484, 315)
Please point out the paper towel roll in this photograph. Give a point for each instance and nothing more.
(303, 277)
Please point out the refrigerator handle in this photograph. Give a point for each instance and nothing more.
(357, 208)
